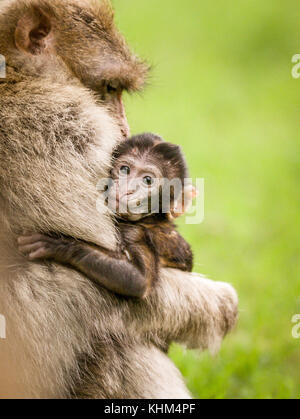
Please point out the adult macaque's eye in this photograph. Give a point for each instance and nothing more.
(111, 89)
(148, 180)
(108, 89)
(125, 170)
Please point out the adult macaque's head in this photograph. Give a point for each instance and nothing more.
(72, 38)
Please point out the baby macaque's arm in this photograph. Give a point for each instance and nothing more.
(173, 250)
(106, 268)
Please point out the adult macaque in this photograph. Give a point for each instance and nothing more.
(61, 115)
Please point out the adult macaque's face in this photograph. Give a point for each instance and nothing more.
(104, 63)
(111, 93)
(87, 45)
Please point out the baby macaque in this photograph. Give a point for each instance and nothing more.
(144, 198)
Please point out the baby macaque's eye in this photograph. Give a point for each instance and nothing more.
(125, 170)
(148, 180)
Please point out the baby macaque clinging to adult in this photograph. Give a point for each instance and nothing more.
(144, 196)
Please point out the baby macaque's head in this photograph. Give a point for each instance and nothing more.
(147, 177)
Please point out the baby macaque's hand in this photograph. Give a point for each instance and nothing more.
(39, 246)
(189, 193)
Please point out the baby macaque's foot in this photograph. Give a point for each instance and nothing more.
(39, 246)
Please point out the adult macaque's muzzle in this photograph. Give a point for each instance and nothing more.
(125, 129)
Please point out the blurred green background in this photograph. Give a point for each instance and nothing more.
(221, 87)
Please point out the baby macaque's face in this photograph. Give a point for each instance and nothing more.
(135, 190)
(148, 177)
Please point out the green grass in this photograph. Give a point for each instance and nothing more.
(222, 88)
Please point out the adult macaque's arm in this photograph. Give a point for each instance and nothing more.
(182, 307)
(187, 309)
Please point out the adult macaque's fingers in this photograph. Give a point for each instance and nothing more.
(23, 240)
(28, 248)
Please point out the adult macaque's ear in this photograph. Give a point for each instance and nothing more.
(33, 32)
(184, 204)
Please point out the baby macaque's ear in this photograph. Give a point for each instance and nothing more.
(33, 32)
(182, 205)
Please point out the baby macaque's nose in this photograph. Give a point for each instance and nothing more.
(131, 191)
(128, 192)
(132, 187)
